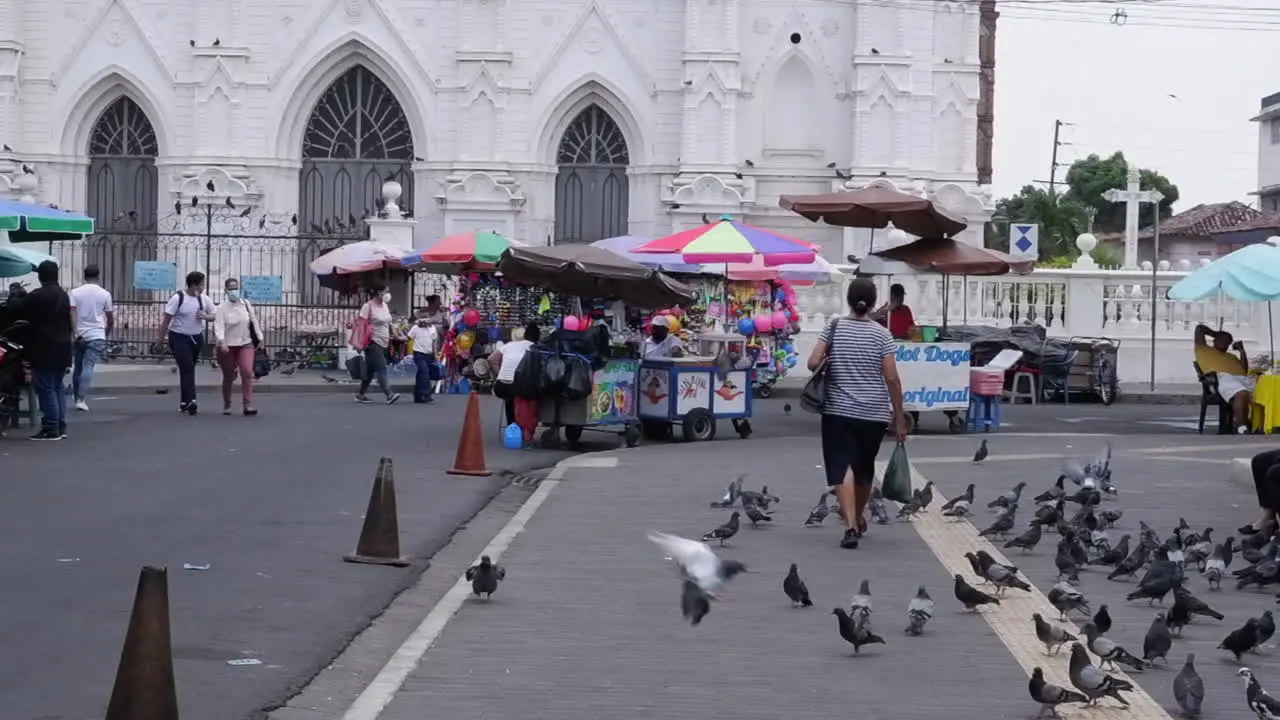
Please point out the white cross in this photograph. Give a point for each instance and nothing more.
(1133, 197)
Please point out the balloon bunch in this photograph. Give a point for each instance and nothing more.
(675, 320)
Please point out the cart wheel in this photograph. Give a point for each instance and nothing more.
(956, 423)
(573, 434)
(743, 427)
(631, 436)
(1105, 380)
(549, 438)
(698, 425)
(764, 392)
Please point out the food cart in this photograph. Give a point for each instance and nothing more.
(694, 393)
(593, 273)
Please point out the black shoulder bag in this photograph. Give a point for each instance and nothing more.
(814, 394)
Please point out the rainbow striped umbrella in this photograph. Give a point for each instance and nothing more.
(476, 250)
(727, 241)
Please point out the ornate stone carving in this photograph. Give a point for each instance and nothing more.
(235, 183)
(592, 40)
(706, 190)
(473, 189)
(354, 10)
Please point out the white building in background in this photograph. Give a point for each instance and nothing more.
(1268, 119)
(548, 120)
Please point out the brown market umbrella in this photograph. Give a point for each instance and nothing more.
(875, 207)
(942, 255)
(593, 273)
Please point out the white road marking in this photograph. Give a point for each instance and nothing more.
(384, 686)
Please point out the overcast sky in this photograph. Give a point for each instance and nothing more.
(1174, 88)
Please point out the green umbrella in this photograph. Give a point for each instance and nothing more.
(26, 222)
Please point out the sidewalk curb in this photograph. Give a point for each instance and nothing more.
(338, 388)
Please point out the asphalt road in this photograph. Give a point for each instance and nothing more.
(269, 503)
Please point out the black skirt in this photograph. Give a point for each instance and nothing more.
(851, 443)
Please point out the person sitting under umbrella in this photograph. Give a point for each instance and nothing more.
(1235, 387)
(661, 343)
(896, 315)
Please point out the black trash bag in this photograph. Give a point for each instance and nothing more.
(355, 367)
(527, 380)
(553, 372)
(577, 379)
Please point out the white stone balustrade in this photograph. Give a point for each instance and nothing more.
(1076, 302)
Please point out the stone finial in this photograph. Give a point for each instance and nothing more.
(1274, 240)
(1146, 265)
(391, 192)
(1184, 265)
(1204, 262)
(1163, 266)
(1085, 243)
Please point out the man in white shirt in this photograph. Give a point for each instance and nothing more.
(424, 336)
(95, 318)
(185, 317)
(661, 343)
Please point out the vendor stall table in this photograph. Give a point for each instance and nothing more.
(611, 407)
(691, 392)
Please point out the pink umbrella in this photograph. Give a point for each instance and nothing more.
(357, 257)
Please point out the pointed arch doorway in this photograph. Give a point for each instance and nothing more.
(123, 188)
(591, 185)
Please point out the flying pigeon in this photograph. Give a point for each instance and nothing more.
(1188, 688)
(697, 562)
(725, 531)
(795, 588)
(485, 577)
(919, 611)
(695, 603)
(853, 634)
(1051, 696)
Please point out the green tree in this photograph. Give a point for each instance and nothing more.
(1061, 219)
(1089, 178)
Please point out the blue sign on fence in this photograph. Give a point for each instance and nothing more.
(262, 288)
(154, 275)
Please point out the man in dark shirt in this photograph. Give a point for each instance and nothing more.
(48, 310)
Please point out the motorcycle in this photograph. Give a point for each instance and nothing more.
(12, 374)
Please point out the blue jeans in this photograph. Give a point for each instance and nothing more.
(423, 386)
(87, 355)
(51, 398)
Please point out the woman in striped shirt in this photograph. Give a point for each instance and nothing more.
(863, 401)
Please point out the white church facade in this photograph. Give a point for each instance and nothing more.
(547, 120)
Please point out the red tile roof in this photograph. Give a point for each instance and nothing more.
(1261, 222)
(1207, 219)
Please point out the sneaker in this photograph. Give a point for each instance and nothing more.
(850, 539)
(192, 408)
(226, 409)
(250, 412)
(47, 435)
(82, 406)
(393, 399)
(182, 407)
(363, 399)
(62, 432)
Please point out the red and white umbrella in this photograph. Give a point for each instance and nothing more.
(359, 257)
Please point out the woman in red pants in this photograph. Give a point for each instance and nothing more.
(522, 411)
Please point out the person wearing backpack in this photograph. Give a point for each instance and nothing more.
(185, 316)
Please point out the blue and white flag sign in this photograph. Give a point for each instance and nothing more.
(935, 376)
(1024, 240)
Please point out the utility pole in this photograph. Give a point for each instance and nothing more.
(1053, 163)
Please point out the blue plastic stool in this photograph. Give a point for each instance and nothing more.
(984, 412)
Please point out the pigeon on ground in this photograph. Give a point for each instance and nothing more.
(819, 512)
(1198, 548)
(1108, 650)
(1102, 619)
(876, 506)
(919, 611)
(958, 511)
(853, 634)
(1266, 626)
(1117, 553)
(725, 531)
(1216, 566)
(1028, 540)
(982, 452)
(697, 562)
(1132, 563)
(966, 498)
(860, 606)
(1002, 525)
(769, 498)
(1241, 640)
(1051, 696)
(1065, 562)
(695, 603)
(1188, 688)
(1186, 605)
(1109, 517)
(290, 370)
(971, 597)
(914, 506)
(1004, 577)
(756, 516)
(1055, 491)
(1262, 704)
(1051, 635)
(1065, 599)
(1093, 682)
(730, 494)
(1008, 499)
(1158, 641)
(485, 577)
(795, 588)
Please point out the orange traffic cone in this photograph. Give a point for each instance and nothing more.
(144, 688)
(379, 542)
(470, 457)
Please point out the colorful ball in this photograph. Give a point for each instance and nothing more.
(779, 320)
(584, 323)
(569, 323)
(746, 327)
(673, 323)
(466, 339)
(471, 317)
(763, 323)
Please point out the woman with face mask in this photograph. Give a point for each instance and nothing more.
(235, 328)
(377, 313)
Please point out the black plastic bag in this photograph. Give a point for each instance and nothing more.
(355, 367)
(261, 364)
(553, 372)
(896, 485)
(527, 380)
(577, 379)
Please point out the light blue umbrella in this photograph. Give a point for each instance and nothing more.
(1250, 273)
(18, 261)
